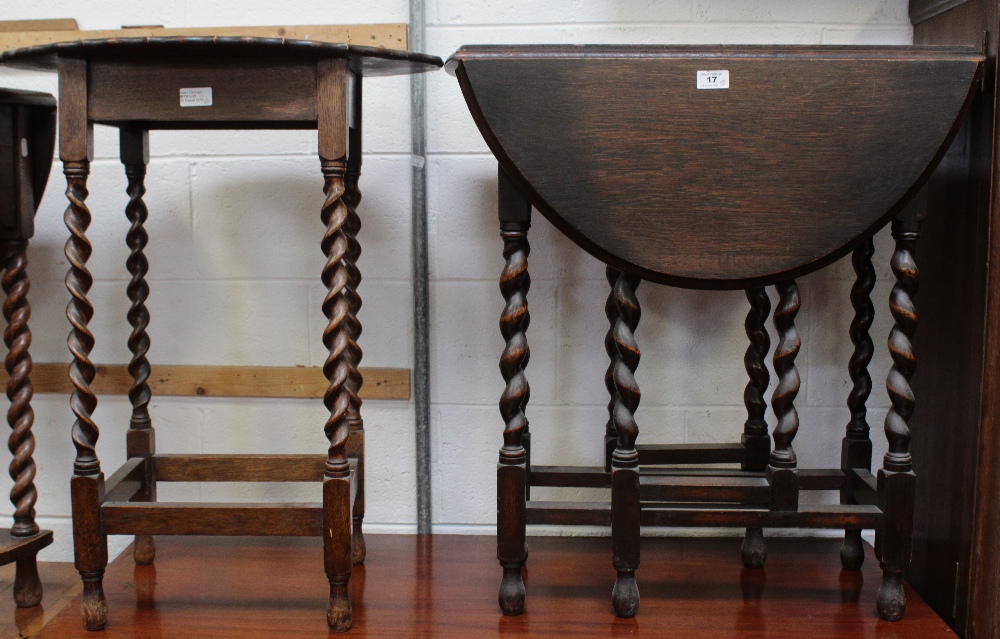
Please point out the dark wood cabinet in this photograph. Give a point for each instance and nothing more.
(956, 426)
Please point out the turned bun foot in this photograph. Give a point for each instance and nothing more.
(144, 550)
(512, 592)
(754, 549)
(891, 599)
(852, 552)
(625, 595)
(27, 585)
(95, 606)
(358, 548)
(339, 615)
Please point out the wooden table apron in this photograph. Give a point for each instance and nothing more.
(799, 159)
(138, 84)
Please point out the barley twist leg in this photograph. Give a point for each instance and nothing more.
(625, 459)
(896, 481)
(756, 443)
(856, 449)
(337, 399)
(140, 437)
(352, 226)
(512, 551)
(17, 337)
(781, 470)
(87, 483)
(611, 312)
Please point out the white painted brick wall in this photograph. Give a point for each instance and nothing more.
(234, 261)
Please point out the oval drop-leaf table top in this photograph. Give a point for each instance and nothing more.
(43, 133)
(367, 61)
(808, 151)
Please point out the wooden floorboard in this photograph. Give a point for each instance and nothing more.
(60, 584)
(445, 587)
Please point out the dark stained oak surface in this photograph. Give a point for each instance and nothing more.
(27, 137)
(617, 146)
(956, 541)
(43, 139)
(140, 84)
(11, 547)
(445, 586)
(369, 61)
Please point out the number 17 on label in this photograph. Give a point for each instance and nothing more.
(713, 79)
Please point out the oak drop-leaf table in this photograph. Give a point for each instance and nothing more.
(723, 167)
(27, 141)
(138, 84)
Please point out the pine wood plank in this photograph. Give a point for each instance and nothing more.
(57, 24)
(389, 36)
(223, 381)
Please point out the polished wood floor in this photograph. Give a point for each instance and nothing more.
(445, 586)
(60, 584)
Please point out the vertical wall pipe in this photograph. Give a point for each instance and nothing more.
(421, 317)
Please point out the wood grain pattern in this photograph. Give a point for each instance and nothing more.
(27, 133)
(13, 548)
(122, 90)
(365, 60)
(662, 200)
(619, 148)
(265, 468)
(391, 36)
(27, 119)
(753, 491)
(267, 519)
(54, 24)
(224, 381)
(956, 562)
(328, 87)
(76, 135)
(139, 84)
(441, 586)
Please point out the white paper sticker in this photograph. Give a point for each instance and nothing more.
(24, 147)
(713, 79)
(196, 97)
